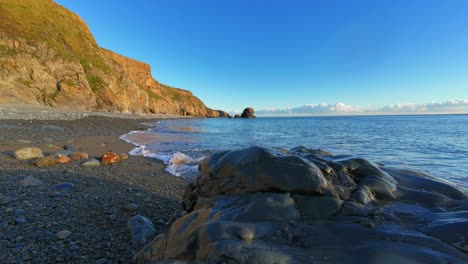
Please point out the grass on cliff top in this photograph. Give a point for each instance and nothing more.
(44, 21)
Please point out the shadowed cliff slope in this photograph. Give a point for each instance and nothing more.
(49, 57)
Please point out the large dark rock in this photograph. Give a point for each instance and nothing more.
(248, 113)
(258, 205)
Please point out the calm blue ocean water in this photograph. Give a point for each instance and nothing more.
(436, 144)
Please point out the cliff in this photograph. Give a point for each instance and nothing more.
(49, 57)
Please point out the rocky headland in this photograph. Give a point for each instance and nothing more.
(48, 57)
(259, 205)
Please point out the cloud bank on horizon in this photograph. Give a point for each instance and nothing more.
(448, 107)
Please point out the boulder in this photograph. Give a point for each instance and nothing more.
(248, 113)
(259, 205)
(236, 116)
(28, 153)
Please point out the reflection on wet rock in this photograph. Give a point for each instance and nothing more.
(259, 205)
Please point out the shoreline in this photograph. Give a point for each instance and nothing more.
(94, 210)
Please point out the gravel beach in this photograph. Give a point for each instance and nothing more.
(70, 213)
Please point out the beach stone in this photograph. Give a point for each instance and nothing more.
(246, 234)
(123, 156)
(91, 163)
(60, 153)
(131, 207)
(5, 200)
(63, 160)
(28, 153)
(46, 161)
(70, 147)
(109, 158)
(24, 141)
(30, 181)
(3, 224)
(20, 219)
(141, 229)
(74, 248)
(63, 186)
(79, 156)
(64, 234)
(246, 207)
(20, 211)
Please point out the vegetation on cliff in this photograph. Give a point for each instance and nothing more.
(48, 56)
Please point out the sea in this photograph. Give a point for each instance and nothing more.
(433, 144)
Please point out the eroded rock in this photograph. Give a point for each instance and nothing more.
(258, 205)
(248, 113)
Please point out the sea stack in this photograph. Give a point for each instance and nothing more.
(248, 113)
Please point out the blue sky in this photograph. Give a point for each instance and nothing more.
(283, 54)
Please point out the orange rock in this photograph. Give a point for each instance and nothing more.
(63, 159)
(109, 158)
(79, 156)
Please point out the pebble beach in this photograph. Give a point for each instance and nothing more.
(69, 213)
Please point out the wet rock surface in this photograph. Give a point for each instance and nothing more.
(259, 205)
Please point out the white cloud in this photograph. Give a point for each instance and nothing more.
(311, 109)
(453, 106)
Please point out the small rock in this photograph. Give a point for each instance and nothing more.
(109, 158)
(74, 248)
(46, 162)
(47, 140)
(91, 163)
(63, 234)
(245, 234)
(123, 156)
(30, 181)
(3, 224)
(131, 207)
(24, 141)
(63, 186)
(79, 156)
(4, 200)
(60, 153)
(141, 230)
(20, 219)
(20, 212)
(101, 261)
(63, 160)
(28, 153)
(70, 147)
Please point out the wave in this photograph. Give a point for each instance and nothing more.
(179, 164)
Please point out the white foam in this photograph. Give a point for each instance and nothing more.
(178, 164)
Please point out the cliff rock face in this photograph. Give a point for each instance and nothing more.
(49, 57)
